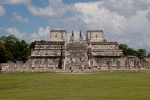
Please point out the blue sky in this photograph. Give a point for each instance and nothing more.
(124, 21)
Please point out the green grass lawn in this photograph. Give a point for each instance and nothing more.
(55, 86)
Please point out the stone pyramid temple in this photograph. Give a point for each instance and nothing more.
(92, 53)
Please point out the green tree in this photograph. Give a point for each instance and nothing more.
(148, 55)
(124, 48)
(2, 52)
(131, 52)
(32, 46)
(104, 40)
(15, 50)
(142, 53)
(10, 38)
(9, 42)
(22, 51)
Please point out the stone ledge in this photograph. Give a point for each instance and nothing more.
(79, 71)
(58, 30)
(94, 30)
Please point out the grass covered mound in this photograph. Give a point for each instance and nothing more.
(54, 86)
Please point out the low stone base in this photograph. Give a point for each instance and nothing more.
(79, 70)
(76, 71)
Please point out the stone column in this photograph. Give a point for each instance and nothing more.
(118, 64)
(64, 64)
(126, 65)
(89, 63)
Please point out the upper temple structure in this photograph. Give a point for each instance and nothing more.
(92, 53)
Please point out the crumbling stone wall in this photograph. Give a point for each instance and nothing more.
(90, 55)
(117, 63)
(76, 55)
(94, 36)
(47, 55)
(58, 35)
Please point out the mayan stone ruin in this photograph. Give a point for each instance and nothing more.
(92, 54)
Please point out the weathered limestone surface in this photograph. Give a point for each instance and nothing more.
(58, 35)
(77, 56)
(95, 35)
(47, 56)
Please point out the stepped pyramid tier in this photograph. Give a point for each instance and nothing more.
(81, 55)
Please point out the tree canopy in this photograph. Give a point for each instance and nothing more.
(15, 50)
(32, 46)
(2, 51)
(12, 49)
(141, 53)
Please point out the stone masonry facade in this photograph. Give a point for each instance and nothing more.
(90, 55)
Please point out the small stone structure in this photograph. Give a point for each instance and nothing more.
(90, 55)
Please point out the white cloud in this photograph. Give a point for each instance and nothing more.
(47, 11)
(76, 35)
(125, 21)
(43, 34)
(15, 1)
(147, 40)
(126, 8)
(148, 16)
(19, 18)
(55, 9)
(14, 31)
(2, 11)
(70, 23)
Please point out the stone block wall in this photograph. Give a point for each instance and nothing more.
(95, 35)
(98, 65)
(117, 63)
(76, 55)
(90, 55)
(58, 35)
